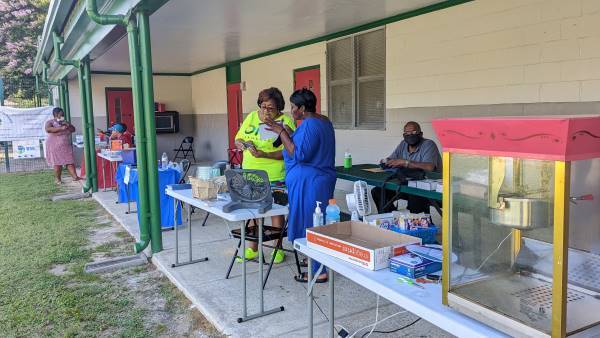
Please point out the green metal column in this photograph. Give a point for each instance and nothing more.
(148, 89)
(61, 96)
(67, 103)
(141, 138)
(89, 111)
(38, 101)
(88, 148)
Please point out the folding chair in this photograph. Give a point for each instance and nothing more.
(186, 147)
(185, 164)
(269, 234)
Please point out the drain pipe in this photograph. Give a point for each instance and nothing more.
(150, 125)
(88, 148)
(89, 111)
(57, 40)
(48, 82)
(67, 104)
(138, 116)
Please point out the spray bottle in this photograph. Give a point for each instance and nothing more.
(318, 215)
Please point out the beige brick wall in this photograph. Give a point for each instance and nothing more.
(522, 56)
(209, 92)
(488, 51)
(277, 71)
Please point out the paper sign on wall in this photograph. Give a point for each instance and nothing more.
(26, 148)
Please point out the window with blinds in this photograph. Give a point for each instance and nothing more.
(356, 81)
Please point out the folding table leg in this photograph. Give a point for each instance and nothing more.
(189, 218)
(331, 304)
(262, 311)
(310, 298)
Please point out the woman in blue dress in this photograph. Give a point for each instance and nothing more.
(309, 157)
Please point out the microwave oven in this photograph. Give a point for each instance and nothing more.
(167, 122)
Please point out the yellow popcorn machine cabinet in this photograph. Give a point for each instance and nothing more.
(526, 253)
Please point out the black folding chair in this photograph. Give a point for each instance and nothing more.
(186, 147)
(185, 165)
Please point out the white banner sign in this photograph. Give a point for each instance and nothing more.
(26, 148)
(23, 123)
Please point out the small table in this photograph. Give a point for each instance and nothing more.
(129, 192)
(112, 160)
(425, 303)
(380, 179)
(183, 194)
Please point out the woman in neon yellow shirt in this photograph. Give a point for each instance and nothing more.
(260, 152)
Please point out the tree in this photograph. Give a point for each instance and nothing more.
(21, 22)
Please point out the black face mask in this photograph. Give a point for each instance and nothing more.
(412, 140)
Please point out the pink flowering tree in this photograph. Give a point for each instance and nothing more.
(21, 22)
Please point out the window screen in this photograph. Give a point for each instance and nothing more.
(356, 81)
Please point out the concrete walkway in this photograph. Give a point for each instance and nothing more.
(220, 299)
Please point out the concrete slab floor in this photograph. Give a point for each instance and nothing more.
(220, 299)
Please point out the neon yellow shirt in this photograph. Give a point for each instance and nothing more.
(250, 131)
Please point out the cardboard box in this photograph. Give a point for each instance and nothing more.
(413, 266)
(359, 243)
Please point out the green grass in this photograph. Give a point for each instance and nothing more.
(35, 235)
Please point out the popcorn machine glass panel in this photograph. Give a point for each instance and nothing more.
(514, 198)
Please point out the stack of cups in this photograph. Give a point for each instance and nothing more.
(204, 173)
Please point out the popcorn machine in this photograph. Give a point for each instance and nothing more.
(525, 256)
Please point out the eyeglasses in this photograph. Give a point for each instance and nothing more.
(268, 109)
(414, 132)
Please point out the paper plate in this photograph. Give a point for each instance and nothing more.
(432, 252)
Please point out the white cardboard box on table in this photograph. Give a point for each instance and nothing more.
(359, 243)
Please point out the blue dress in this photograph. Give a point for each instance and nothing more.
(310, 173)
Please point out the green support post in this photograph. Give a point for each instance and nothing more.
(87, 79)
(148, 90)
(38, 100)
(61, 96)
(89, 149)
(141, 138)
(67, 103)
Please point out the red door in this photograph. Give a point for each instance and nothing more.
(309, 79)
(119, 105)
(234, 118)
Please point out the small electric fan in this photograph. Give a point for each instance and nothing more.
(358, 202)
(249, 189)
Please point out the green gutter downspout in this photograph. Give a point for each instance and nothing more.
(88, 148)
(138, 116)
(38, 100)
(148, 90)
(89, 111)
(48, 82)
(61, 96)
(67, 103)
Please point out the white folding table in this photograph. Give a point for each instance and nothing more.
(183, 194)
(425, 303)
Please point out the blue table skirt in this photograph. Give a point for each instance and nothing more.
(165, 177)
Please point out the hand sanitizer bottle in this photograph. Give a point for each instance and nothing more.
(318, 215)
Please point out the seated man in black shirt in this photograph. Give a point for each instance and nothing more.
(414, 152)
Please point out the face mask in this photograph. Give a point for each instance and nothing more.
(412, 140)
